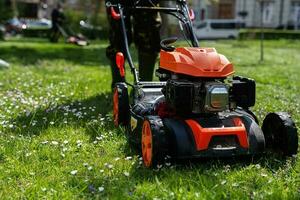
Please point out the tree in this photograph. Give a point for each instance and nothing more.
(5, 10)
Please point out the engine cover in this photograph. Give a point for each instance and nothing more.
(196, 62)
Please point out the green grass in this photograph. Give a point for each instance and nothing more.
(55, 118)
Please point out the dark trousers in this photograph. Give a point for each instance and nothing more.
(146, 36)
(54, 34)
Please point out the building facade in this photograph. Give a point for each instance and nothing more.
(210, 9)
(33, 8)
(275, 13)
(43, 8)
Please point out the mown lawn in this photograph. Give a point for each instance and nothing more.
(57, 140)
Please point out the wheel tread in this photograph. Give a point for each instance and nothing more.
(289, 130)
(160, 145)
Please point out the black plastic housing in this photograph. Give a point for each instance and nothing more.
(243, 91)
(179, 95)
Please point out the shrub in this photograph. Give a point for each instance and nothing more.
(6, 11)
(269, 34)
(100, 22)
(42, 33)
(73, 18)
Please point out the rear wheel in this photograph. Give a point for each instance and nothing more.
(121, 112)
(154, 142)
(280, 133)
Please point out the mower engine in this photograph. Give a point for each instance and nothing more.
(187, 94)
(196, 97)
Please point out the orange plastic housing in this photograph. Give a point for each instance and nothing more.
(197, 62)
(203, 136)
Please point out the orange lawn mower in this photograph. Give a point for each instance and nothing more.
(198, 108)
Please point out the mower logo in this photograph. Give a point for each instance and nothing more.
(133, 123)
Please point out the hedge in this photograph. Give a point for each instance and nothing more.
(269, 34)
(74, 17)
(43, 33)
(93, 34)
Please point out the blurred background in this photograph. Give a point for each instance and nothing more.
(213, 18)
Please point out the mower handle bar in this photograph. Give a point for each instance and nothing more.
(147, 8)
(165, 44)
(183, 10)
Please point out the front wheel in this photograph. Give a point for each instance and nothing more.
(280, 133)
(154, 142)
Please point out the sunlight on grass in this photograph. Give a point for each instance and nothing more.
(57, 139)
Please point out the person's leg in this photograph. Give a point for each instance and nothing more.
(116, 44)
(56, 35)
(147, 39)
(147, 62)
(52, 34)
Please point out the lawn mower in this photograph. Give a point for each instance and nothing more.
(198, 108)
(71, 37)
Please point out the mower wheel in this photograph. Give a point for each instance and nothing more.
(154, 142)
(252, 115)
(280, 133)
(121, 112)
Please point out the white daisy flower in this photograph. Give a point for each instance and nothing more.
(101, 189)
(128, 158)
(74, 172)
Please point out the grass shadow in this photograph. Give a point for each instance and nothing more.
(268, 160)
(76, 113)
(30, 55)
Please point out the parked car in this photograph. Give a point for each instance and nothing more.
(37, 24)
(37, 28)
(218, 29)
